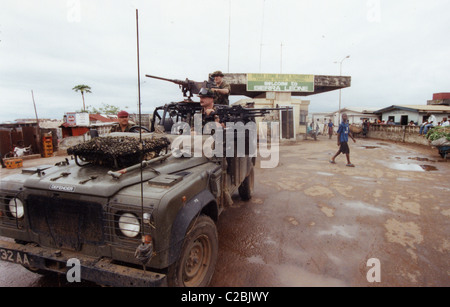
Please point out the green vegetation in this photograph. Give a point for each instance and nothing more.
(438, 132)
(83, 89)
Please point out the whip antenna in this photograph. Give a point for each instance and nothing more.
(145, 250)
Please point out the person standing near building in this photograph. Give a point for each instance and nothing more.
(365, 127)
(342, 140)
(330, 128)
(223, 89)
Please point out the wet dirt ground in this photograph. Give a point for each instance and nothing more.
(312, 223)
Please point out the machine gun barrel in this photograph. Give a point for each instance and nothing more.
(188, 87)
(238, 113)
(179, 82)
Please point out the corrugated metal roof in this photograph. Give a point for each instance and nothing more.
(419, 108)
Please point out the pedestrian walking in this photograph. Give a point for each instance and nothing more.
(342, 140)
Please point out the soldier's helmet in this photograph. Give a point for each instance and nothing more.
(205, 92)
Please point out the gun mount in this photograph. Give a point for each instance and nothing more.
(174, 112)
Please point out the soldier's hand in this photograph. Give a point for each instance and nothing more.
(209, 111)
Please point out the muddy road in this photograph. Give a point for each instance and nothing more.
(312, 223)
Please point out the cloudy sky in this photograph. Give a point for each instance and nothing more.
(399, 50)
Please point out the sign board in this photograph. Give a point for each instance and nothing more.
(82, 119)
(280, 83)
(70, 118)
(77, 119)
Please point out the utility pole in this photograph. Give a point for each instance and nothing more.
(229, 34)
(38, 129)
(281, 58)
(262, 32)
(340, 74)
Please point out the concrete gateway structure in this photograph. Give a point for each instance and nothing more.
(272, 90)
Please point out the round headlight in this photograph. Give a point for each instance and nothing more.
(16, 208)
(129, 225)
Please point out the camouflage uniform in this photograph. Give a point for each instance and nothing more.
(209, 118)
(221, 98)
(218, 97)
(116, 128)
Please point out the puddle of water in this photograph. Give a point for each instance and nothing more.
(370, 147)
(421, 159)
(413, 167)
(403, 179)
(295, 276)
(256, 260)
(337, 231)
(363, 178)
(406, 167)
(429, 168)
(359, 205)
(325, 174)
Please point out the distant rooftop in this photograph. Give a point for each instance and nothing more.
(419, 108)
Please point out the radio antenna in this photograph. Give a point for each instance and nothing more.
(145, 250)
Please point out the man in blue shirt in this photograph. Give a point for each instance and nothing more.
(342, 140)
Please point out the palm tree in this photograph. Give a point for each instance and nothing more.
(83, 89)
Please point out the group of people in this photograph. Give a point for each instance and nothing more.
(432, 122)
(208, 98)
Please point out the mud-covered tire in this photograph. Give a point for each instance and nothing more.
(246, 187)
(198, 257)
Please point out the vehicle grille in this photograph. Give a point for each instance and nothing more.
(67, 223)
(6, 216)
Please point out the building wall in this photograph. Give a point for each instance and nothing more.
(405, 134)
(412, 115)
(397, 114)
(273, 99)
(353, 117)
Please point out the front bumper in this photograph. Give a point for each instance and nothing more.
(99, 270)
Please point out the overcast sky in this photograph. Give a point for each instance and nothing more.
(399, 50)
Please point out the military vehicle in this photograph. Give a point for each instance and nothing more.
(151, 223)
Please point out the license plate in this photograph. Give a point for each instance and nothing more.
(14, 256)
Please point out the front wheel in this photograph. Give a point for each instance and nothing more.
(197, 261)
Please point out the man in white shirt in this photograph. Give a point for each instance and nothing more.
(431, 123)
(445, 122)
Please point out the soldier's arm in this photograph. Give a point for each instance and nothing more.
(225, 90)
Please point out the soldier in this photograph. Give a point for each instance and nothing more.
(124, 125)
(207, 103)
(223, 91)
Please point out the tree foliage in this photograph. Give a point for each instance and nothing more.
(107, 109)
(83, 89)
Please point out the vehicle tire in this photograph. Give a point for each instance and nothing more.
(196, 264)
(246, 187)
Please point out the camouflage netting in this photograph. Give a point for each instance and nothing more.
(118, 151)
